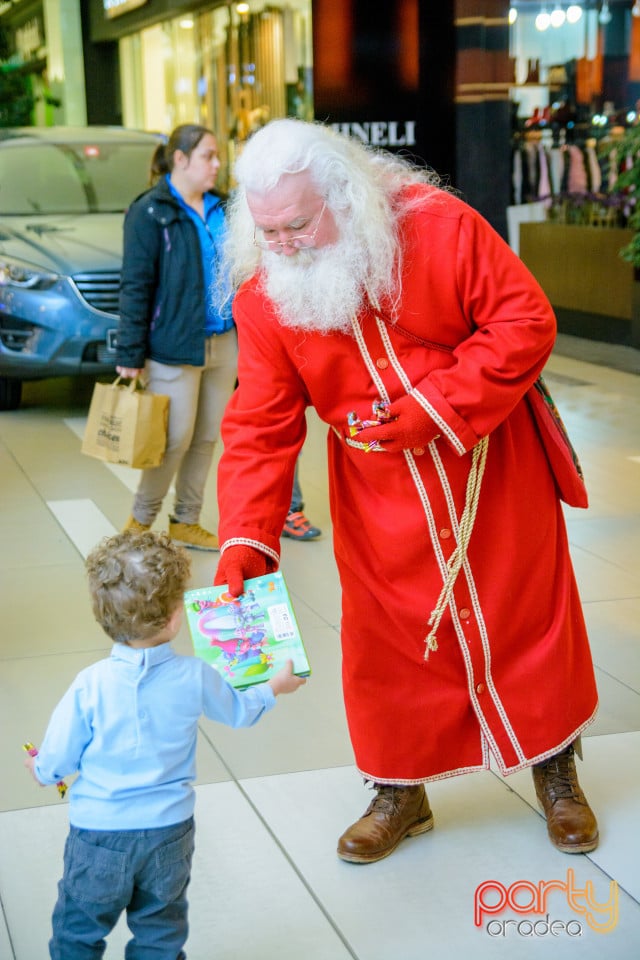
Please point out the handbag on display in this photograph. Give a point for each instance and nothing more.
(127, 424)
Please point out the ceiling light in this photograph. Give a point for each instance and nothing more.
(558, 16)
(605, 14)
(543, 21)
(574, 12)
(513, 14)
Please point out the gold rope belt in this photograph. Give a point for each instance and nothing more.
(459, 555)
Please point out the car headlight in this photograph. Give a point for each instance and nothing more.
(26, 276)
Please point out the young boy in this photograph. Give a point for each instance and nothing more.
(128, 726)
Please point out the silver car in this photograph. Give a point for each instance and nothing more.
(63, 193)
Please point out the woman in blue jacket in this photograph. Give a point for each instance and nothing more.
(176, 324)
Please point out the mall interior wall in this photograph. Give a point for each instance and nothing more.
(387, 73)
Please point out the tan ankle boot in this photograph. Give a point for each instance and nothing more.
(571, 823)
(395, 812)
(192, 535)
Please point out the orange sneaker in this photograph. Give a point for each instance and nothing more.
(297, 527)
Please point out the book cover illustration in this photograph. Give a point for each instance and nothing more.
(247, 638)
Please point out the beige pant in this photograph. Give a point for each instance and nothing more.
(198, 397)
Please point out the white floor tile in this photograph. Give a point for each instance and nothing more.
(82, 521)
(31, 846)
(615, 539)
(76, 425)
(613, 632)
(306, 729)
(33, 544)
(267, 882)
(32, 626)
(6, 950)
(619, 706)
(246, 899)
(420, 901)
(610, 778)
(599, 579)
(310, 571)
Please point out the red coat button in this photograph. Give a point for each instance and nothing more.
(418, 451)
(445, 533)
(382, 363)
(480, 688)
(464, 613)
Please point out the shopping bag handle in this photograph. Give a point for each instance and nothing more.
(135, 383)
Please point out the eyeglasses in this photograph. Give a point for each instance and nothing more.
(299, 242)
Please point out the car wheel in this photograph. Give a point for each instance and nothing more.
(10, 393)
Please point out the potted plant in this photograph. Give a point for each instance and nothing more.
(627, 189)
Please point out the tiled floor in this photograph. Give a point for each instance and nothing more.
(273, 800)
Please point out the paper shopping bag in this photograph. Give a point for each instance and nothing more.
(126, 424)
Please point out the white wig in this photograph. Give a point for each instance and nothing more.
(360, 186)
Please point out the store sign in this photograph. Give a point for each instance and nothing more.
(114, 8)
(380, 133)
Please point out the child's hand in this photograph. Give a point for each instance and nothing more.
(29, 763)
(285, 680)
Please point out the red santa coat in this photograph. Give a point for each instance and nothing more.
(512, 675)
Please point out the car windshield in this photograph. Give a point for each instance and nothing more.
(72, 178)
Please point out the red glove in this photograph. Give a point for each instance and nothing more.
(409, 426)
(240, 563)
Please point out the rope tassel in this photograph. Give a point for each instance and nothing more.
(459, 555)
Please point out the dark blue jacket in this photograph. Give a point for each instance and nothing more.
(162, 286)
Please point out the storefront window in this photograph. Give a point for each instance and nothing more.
(576, 65)
(546, 62)
(231, 68)
(576, 90)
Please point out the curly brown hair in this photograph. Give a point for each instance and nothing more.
(136, 582)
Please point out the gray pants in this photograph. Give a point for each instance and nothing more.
(198, 397)
(297, 503)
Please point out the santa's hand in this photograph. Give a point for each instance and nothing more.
(240, 563)
(409, 426)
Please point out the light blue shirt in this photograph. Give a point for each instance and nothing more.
(128, 725)
(211, 233)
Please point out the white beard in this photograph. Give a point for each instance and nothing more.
(319, 290)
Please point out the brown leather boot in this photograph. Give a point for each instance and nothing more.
(395, 812)
(571, 823)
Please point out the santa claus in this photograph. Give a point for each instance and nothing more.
(372, 293)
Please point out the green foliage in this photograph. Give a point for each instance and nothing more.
(628, 183)
(5, 44)
(16, 99)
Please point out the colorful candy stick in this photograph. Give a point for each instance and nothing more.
(380, 411)
(31, 750)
